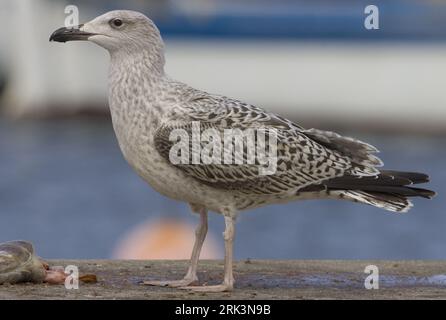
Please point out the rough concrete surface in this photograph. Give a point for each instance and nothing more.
(255, 279)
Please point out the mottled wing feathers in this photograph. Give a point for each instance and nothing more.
(358, 151)
(304, 157)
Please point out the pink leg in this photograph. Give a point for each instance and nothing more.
(191, 275)
(228, 282)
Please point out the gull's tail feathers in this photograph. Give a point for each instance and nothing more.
(386, 201)
(390, 190)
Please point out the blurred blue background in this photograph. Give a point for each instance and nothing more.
(65, 186)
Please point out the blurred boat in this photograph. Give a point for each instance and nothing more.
(310, 60)
(3, 79)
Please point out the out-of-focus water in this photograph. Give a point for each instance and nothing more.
(65, 186)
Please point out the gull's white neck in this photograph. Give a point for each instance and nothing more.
(135, 87)
(150, 60)
(134, 80)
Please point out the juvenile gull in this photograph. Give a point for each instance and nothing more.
(146, 105)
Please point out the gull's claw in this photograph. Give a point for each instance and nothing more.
(216, 288)
(171, 283)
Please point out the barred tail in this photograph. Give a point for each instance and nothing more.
(390, 190)
(364, 182)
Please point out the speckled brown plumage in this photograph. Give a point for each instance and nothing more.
(146, 105)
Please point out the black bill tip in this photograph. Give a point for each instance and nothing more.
(70, 34)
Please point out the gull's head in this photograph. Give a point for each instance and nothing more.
(115, 30)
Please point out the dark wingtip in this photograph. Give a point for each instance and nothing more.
(413, 177)
(425, 193)
(432, 194)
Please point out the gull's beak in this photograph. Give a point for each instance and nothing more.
(70, 34)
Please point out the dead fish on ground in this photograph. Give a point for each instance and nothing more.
(19, 263)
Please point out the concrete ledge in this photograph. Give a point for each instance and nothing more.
(255, 279)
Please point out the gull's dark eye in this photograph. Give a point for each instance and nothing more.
(116, 23)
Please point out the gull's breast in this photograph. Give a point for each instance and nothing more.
(139, 150)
